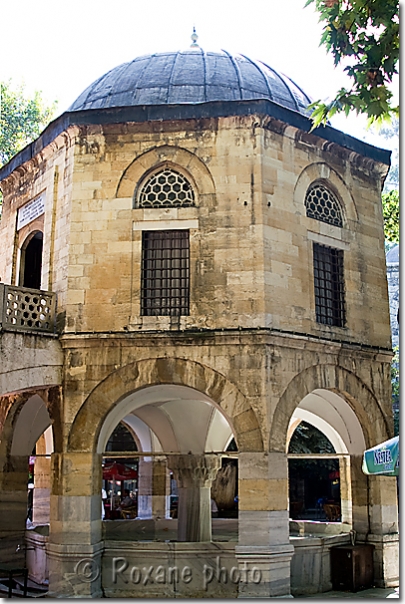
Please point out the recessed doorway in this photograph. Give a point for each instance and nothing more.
(31, 262)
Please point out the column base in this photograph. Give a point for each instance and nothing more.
(265, 571)
(75, 570)
(386, 559)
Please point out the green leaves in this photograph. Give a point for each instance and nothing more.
(21, 119)
(364, 34)
(390, 203)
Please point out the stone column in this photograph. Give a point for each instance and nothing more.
(42, 484)
(160, 489)
(264, 552)
(194, 475)
(360, 498)
(13, 508)
(345, 490)
(145, 469)
(384, 530)
(75, 547)
(153, 488)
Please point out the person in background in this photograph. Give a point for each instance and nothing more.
(214, 509)
(127, 502)
(116, 501)
(103, 498)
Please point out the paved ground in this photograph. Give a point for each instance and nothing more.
(374, 592)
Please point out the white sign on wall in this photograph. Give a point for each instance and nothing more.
(30, 211)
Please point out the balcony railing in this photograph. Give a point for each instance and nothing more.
(25, 309)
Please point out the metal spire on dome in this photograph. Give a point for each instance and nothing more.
(194, 39)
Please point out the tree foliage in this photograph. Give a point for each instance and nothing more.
(391, 132)
(395, 389)
(363, 34)
(308, 439)
(22, 119)
(390, 203)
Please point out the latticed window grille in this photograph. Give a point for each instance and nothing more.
(322, 205)
(165, 273)
(166, 189)
(28, 309)
(329, 285)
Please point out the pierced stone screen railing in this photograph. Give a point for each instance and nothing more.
(27, 309)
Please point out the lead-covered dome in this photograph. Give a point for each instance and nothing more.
(190, 77)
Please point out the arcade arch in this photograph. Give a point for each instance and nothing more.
(182, 419)
(181, 430)
(27, 430)
(329, 412)
(33, 421)
(114, 398)
(339, 398)
(336, 402)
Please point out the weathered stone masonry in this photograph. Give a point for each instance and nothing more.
(250, 355)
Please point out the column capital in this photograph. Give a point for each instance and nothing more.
(194, 470)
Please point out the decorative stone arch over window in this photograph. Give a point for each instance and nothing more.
(165, 188)
(180, 160)
(322, 204)
(321, 174)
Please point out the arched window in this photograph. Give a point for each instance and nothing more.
(31, 262)
(166, 189)
(323, 205)
(121, 440)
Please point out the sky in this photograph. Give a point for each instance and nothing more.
(59, 48)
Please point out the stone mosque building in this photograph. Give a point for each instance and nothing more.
(180, 256)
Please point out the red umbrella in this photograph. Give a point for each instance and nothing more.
(119, 471)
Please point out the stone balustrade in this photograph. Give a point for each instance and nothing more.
(25, 309)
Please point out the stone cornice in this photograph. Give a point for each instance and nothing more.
(262, 336)
(159, 113)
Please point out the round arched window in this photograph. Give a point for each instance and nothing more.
(323, 205)
(166, 189)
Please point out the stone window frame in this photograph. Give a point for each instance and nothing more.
(331, 236)
(157, 297)
(22, 240)
(330, 241)
(329, 285)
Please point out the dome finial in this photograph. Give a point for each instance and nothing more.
(194, 39)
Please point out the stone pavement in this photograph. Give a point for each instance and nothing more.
(373, 592)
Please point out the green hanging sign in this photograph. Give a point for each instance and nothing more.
(382, 459)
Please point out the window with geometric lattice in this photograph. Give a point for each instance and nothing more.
(166, 189)
(323, 205)
(329, 285)
(165, 276)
